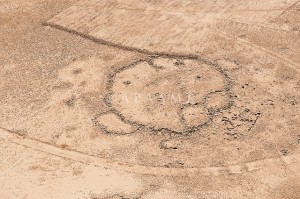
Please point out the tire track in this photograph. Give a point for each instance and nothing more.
(277, 56)
(13, 137)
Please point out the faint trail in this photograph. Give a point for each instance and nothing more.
(12, 137)
(277, 56)
(144, 51)
(256, 24)
(205, 10)
(284, 11)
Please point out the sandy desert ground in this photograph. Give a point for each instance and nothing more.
(147, 99)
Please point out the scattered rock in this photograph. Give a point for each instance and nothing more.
(170, 144)
(176, 164)
(284, 152)
(71, 101)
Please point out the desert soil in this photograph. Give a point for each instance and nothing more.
(150, 99)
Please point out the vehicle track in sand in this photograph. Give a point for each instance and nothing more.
(12, 137)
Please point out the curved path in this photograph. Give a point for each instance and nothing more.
(44, 147)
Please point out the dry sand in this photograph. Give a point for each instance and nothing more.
(150, 99)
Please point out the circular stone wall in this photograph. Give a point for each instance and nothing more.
(175, 95)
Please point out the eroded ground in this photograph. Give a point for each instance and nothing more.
(147, 99)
